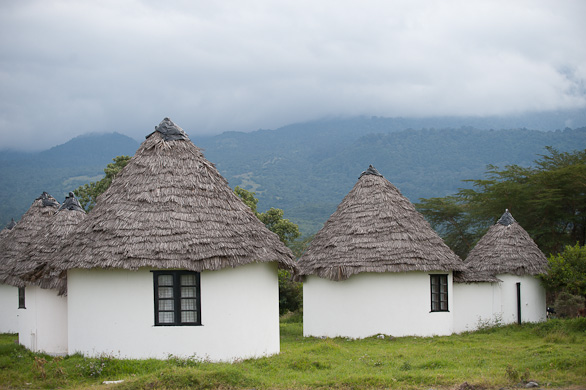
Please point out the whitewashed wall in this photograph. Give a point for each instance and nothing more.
(42, 326)
(112, 312)
(533, 305)
(8, 308)
(367, 304)
(475, 305)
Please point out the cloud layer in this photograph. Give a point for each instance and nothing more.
(71, 67)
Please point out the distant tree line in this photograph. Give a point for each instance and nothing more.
(548, 200)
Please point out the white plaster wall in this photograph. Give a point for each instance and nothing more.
(476, 304)
(112, 312)
(533, 305)
(42, 326)
(367, 304)
(8, 308)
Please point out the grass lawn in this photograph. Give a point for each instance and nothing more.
(551, 353)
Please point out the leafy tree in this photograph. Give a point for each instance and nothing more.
(548, 200)
(87, 194)
(567, 271)
(290, 292)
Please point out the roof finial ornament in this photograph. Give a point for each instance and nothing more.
(170, 131)
(71, 203)
(370, 171)
(47, 200)
(506, 219)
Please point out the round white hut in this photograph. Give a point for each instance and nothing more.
(377, 267)
(171, 262)
(508, 255)
(43, 325)
(13, 261)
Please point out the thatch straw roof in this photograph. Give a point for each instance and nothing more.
(4, 232)
(376, 229)
(170, 208)
(22, 235)
(507, 249)
(471, 276)
(33, 266)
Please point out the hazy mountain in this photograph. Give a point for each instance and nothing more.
(307, 168)
(24, 176)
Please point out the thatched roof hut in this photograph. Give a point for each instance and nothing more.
(376, 229)
(170, 208)
(37, 217)
(507, 249)
(33, 265)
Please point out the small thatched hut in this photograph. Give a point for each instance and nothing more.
(500, 283)
(42, 325)
(13, 245)
(377, 267)
(171, 261)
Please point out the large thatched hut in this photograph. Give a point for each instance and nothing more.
(500, 283)
(8, 293)
(171, 261)
(377, 266)
(13, 245)
(42, 325)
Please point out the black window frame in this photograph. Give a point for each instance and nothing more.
(439, 298)
(21, 298)
(176, 297)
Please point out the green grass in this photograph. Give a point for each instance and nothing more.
(552, 353)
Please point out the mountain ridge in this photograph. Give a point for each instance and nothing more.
(305, 169)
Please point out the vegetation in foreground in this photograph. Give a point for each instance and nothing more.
(550, 353)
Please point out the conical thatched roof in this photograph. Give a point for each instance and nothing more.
(21, 236)
(33, 266)
(376, 229)
(170, 208)
(507, 249)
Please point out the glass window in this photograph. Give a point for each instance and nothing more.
(21, 303)
(177, 298)
(439, 292)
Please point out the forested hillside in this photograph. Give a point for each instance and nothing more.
(24, 176)
(304, 169)
(308, 175)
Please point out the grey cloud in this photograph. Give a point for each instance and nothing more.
(72, 67)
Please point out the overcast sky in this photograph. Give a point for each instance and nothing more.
(72, 67)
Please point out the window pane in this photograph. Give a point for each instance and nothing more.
(166, 304)
(166, 317)
(188, 316)
(188, 304)
(165, 280)
(187, 292)
(165, 292)
(188, 280)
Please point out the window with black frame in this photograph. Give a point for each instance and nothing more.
(439, 292)
(21, 296)
(177, 298)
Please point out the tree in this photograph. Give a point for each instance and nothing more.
(290, 292)
(548, 200)
(87, 194)
(567, 271)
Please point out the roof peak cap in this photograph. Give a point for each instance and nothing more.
(47, 200)
(71, 203)
(170, 131)
(506, 219)
(371, 171)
